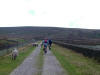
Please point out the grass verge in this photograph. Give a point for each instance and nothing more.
(75, 63)
(7, 65)
(40, 62)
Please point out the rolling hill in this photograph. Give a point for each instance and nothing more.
(69, 35)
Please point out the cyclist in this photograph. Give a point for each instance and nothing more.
(50, 43)
(45, 45)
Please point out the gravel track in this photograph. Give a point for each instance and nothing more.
(52, 66)
(28, 67)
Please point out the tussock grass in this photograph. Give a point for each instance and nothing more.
(7, 65)
(75, 63)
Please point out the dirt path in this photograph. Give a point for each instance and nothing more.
(52, 66)
(28, 67)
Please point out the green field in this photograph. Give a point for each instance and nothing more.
(75, 63)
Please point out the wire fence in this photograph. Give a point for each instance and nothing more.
(9, 50)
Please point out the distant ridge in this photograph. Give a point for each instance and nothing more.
(55, 33)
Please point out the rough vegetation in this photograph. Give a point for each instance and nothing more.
(7, 43)
(89, 52)
(75, 63)
(69, 35)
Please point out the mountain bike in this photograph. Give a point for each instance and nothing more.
(45, 49)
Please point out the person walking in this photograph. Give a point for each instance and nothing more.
(50, 43)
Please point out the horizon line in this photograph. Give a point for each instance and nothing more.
(50, 27)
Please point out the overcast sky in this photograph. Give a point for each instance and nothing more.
(56, 13)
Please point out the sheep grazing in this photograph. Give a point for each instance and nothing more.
(14, 54)
(35, 44)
